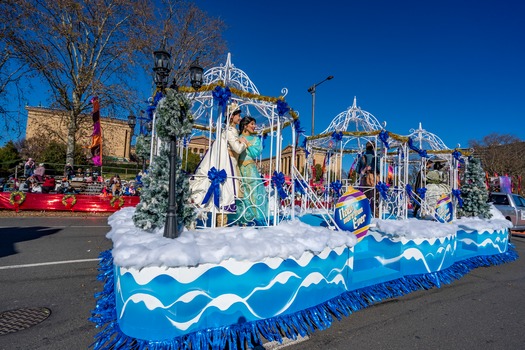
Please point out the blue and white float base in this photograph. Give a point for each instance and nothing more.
(235, 303)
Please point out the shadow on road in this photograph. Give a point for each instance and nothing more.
(11, 235)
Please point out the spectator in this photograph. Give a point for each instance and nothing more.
(49, 184)
(29, 168)
(69, 172)
(116, 185)
(40, 171)
(80, 172)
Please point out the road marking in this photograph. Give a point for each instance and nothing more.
(47, 263)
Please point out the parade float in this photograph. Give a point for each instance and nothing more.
(237, 286)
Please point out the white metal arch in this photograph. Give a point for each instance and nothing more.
(264, 112)
(426, 140)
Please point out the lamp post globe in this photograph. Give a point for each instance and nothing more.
(162, 67)
(132, 122)
(196, 74)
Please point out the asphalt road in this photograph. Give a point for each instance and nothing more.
(483, 310)
(30, 278)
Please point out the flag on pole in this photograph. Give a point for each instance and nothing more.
(96, 136)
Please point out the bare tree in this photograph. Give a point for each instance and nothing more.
(501, 154)
(82, 48)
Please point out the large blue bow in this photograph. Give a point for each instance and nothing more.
(422, 191)
(383, 189)
(457, 194)
(408, 189)
(336, 187)
(279, 180)
(422, 153)
(383, 136)
(222, 96)
(337, 136)
(217, 178)
(457, 155)
(300, 186)
(282, 107)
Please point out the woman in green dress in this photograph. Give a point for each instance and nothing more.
(252, 207)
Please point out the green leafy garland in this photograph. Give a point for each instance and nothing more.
(174, 118)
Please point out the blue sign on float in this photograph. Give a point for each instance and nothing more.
(353, 213)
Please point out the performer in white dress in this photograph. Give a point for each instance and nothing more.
(222, 155)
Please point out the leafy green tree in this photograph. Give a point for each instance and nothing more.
(190, 162)
(318, 172)
(9, 156)
(474, 192)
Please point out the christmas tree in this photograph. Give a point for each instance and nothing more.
(173, 121)
(151, 211)
(474, 192)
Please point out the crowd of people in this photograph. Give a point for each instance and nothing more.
(35, 180)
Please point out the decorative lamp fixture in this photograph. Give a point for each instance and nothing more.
(196, 74)
(162, 67)
(132, 121)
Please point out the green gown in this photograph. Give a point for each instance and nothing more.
(252, 208)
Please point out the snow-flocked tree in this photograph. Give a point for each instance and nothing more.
(173, 120)
(474, 192)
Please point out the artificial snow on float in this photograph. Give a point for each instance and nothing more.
(231, 286)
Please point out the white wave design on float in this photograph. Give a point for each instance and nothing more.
(225, 301)
(187, 275)
(222, 302)
(150, 301)
(416, 254)
(281, 278)
(378, 237)
(313, 278)
(486, 242)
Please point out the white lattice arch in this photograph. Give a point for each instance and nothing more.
(353, 119)
(236, 78)
(426, 140)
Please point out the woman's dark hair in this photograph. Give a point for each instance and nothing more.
(245, 121)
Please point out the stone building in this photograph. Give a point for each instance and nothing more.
(52, 124)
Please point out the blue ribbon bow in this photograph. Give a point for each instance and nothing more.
(409, 191)
(300, 186)
(457, 194)
(298, 128)
(383, 189)
(222, 96)
(336, 187)
(383, 136)
(217, 178)
(282, 107)
(422, 153)
(279, 180)
(457, 155)
(422, 191)
(337, 136)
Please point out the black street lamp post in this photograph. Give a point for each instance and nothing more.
(162, 70)
(311, 90)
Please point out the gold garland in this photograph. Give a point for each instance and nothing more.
(14, 194)
(249, 95)
(66, 197)
(114, 199)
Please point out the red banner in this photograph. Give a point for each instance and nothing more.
(65, 202)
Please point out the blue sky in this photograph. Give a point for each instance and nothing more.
(458, 67)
